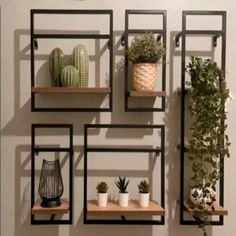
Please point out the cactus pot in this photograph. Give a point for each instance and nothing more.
(102, 199)
(144, 76)
(123, 199)
(144, 199)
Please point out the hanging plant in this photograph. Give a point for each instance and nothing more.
(209, 141)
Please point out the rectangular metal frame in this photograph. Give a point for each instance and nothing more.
(158, 150)
(33, 41)
(162, 34)
(215, 34)
(34, 151)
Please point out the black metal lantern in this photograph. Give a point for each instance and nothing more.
(50, 184)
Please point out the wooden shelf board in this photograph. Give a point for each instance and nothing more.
(147, 93)
(70, 90)
(217, 210)
(62, 209)
(113, 208)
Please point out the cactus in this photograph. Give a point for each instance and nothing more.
(69, 76)
(81, 63)
(143, 186)
(102, 187)
(122, 184)
(56, 64)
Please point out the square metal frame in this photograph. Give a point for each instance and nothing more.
(159, 150)
(35, 150)
(34, 45)
(215, 34)
(161, 34)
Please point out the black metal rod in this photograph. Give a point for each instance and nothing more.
(85, 171)
(125, 126)
(47, 149)
(139, 31)
(123, 150)
(124, 222)
(71, 36)
(111, 62)
(64, 109)
(71, 11)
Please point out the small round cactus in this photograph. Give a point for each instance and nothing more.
(69, 76)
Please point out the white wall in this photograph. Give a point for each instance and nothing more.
(16, 119)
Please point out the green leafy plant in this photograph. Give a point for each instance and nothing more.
(143, 187)
(102, 187)
(146, 49)
(122, 184)
(209, 141)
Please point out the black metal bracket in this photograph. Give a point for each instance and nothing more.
(123, 40)
(177, 38)
(214, 40)
(36, 46)
(35, 150)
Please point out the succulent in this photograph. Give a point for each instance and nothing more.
(146, 49)
(69, 76)
(122, 184)
(56, 64)
(143, 186)
(102, 187)
(81, 63)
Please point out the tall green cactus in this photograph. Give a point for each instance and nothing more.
(56, 64)
(81, 62)
(69, 76)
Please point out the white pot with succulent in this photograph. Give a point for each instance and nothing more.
(102, 188)
(144, 194)
(122, 185)
(144, 53)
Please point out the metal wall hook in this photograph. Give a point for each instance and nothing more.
(214, 40)
(123, 40)
(177, 37)
(36, 45)
(159, 38)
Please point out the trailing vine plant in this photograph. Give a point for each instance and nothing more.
(209, 141)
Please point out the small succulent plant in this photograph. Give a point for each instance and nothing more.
(102, 187)
(143, 186)
(122, 184)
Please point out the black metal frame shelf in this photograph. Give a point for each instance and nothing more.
(159, 151)
(161, 36)
(215, 34)
(67, 204)
(34, 46)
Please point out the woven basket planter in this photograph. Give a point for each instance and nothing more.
(144, 76)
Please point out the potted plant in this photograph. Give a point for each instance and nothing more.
(143, 188)
(144, 53)
(122, 185)
(209, 141)
(102, 188)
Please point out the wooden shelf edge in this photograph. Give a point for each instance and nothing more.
(147, 93)
(218, 210)
(62, 209)
(67, 90)
(133, 209)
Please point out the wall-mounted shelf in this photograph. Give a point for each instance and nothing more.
(66, 206)
(113, 208)
(63, 90)
(216, 210)
(38, 92)
(62, 209)
(155, 209)
(135, 96)
(184, 150)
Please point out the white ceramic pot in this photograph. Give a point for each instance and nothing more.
(144, 199)
(102, 199)
(123, 199)
(196, 197)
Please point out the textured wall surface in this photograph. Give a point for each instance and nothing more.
(16, 117)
